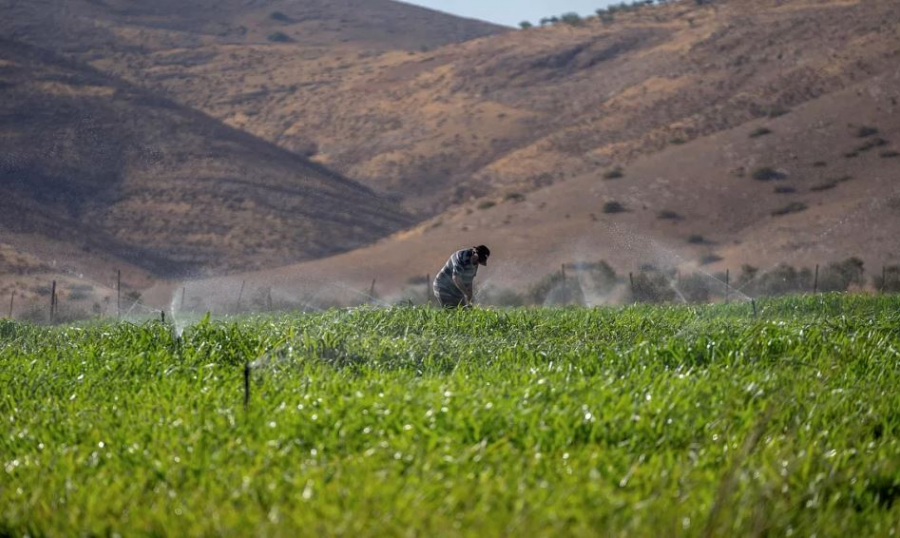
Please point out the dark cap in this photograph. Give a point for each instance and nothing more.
(483, 254)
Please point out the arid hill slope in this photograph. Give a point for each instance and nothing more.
(834, 193)
(100, 27)
(517, 110)
(97, 163)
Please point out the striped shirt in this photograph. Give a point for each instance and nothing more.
(461, 265)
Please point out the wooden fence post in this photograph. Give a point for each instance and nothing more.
(246, 385)
(816, 281)
(237, 307)
(727, 284)
(119, 294)
(52, 301)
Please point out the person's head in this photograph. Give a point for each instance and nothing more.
(482, 253)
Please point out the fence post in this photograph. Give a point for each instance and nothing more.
(237, 307)
(372, 290)
(631, 279)
(52, 301)
(119, 294)
(727, 284)
(753, 302)
(816, 281)
(246, 385)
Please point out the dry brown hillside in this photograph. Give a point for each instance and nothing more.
(817, 185)
(98, 164)
(512, 111)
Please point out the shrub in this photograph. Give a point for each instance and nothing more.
(571, 18)
(553, 290)
(613, 207)
(785, 189)
(279, 37)
(596, 278)
(839, 276)
(696, 288)
(525, 25)
(493, 296)
(793, 207)
(486, 204)
(872, 144)
(889, 281)
(514, 197)
(582, 280)
(615, 173)
(889, 154)
(851, 155)
(666, 214)
(777, 111)
(767, 173)
(762, 131)
(280, 17)
(696, 239)
(652, 287)
(824, 186)
(710, 259)
(781, 280)
(678, 141)
(866, 131)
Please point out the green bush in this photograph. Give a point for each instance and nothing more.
(486, 204)
(653, 286)
(279, 37)
(889, 281)
(762, 131)
(767, 173)
(793, 207)
(615, 173)
(613, 207)
(840, 276)
(866, 131)
(571, 18)
(666, 214)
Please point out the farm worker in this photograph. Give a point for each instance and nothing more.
(453, 285)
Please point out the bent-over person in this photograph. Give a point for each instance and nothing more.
(453, 285)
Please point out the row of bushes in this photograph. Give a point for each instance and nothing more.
(598, 283)
(606, 14)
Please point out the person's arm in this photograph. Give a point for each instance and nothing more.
(467, 293)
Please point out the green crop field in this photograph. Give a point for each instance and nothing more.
(639, 421)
